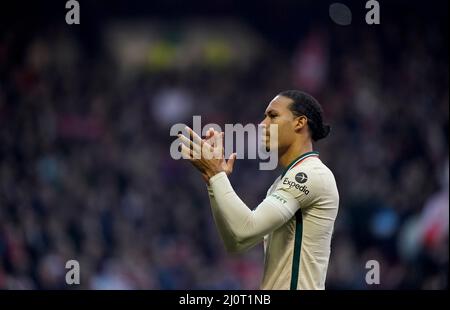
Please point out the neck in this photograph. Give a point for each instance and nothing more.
(294, 151)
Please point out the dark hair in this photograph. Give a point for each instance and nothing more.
(307, 105)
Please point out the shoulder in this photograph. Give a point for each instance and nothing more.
(303, 179)
(311, 172)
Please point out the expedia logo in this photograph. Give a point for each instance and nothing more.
(291, 184)
(301, 177)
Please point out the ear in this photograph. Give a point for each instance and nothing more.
(300, 122)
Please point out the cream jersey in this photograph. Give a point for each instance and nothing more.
(295, 222)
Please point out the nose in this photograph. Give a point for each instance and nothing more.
(265, 122)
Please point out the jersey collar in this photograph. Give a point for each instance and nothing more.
(299, 159)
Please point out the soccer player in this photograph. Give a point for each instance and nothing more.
(296, 218)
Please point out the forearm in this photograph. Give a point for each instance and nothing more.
(247, 227)
(224, 230)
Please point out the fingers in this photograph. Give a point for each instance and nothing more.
(189, 144)
(231, 161)
(195, 142)
(209, 133)
(209, 136)
(186, 153)
(221, 144)
(194, 136)
(218, 140)
(197, 147)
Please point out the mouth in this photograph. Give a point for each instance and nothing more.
(265, 142)
(266, 137)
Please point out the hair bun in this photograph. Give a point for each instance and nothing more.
(322, 132)
(326, 130)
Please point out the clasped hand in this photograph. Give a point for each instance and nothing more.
(206, 155)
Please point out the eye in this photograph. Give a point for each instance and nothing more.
(270, 115)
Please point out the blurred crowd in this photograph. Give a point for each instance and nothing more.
(86, 173)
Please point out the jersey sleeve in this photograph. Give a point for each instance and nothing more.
(246, 227)
(221, 225)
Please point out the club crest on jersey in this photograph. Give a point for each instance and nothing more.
(301, 188)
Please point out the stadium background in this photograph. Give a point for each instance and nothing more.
(85, 112)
